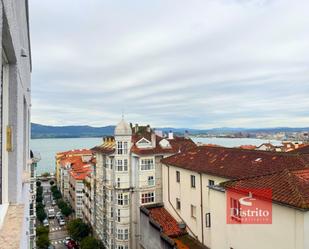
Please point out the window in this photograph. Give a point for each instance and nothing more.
(151, 181)
(120, 199)
(112, 212)
(119, 165)
(192, 181)
(147, 164)
(177, 176)
(193, 211)
(122, 234)
(118, 215)
(118, 182)
(126, 200)
(178, 205)
(235, 209)
(125, 148)
(125, 165)
(211, 182)
(148, 197)
(208, 220)
(119, 148)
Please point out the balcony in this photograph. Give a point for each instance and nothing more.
(11, 231)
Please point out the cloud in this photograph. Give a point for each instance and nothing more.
(195, 64)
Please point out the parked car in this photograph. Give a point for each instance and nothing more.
(51, 213)
(66, 240)
(45, 223)
(72, 245)
(61, 222)
(54, 203)
(51, 247)
(58, 215)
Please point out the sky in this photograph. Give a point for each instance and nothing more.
(171, 63)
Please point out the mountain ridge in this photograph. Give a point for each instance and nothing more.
(76, 131)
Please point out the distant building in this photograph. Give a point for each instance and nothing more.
(75, 166)
(128, 175)
(16, 224)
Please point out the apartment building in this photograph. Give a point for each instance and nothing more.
(15, 87)
(88, 208)
(61, 156)
(197, 186)
(127, 176)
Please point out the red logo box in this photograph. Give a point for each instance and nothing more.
(249, 206)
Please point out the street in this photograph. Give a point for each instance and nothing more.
(57, 233)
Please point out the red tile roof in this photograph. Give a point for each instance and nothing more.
(234, 163)
(168, 224)
(75, 152)
(288, 187)
(178, 144)
(302, 150)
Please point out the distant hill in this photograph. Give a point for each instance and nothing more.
(44, 131)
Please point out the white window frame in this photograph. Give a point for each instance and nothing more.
(151, 182)
(147, 164)
(148, 197)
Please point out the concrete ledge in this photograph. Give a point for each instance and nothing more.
(10, 233)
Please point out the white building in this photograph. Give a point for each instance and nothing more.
(128, 175)
(15, 125)
(194, 192)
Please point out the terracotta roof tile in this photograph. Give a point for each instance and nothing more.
(168, 224)
(290, 187)
(234, 163)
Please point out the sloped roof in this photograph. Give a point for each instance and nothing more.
(301, 150)
(166, 221)
(178, 144)
(288, 187)
(235, 163)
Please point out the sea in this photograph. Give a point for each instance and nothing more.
(50, 146)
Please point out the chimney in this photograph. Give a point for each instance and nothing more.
(170, 135)
(153, 139)
(186, 135)
(148, 128)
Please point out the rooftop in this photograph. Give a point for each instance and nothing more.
(235, 163)
(289, 187)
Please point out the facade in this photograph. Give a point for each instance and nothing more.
(87, 202)
(128, 175)
(195, 185)
(15, 165)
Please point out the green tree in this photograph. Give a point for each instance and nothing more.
(61, 204)
(40, 206)
(57, 195)
(78, 229)
(39, 199)
(40, 214)
(45, 174)
(38, 184)
(51, 182)
(53, 188)
(42, 241)
(40, 230)
(66, 211)
(91, 243)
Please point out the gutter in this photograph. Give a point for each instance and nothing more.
(169, 200)
(202, 220)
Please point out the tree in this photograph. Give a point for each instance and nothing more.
(61, 204)
(57, 195)
(42, 241)
(40, 214)
(66, 211)
(39, 199)
(51, 182)
(53, 189)
(78, 229)
(39, 206)
(38, 184)
(45, 174)
(91, 243)
(40, 230)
